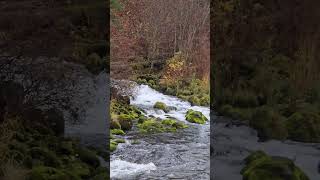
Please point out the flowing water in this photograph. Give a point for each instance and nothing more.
(184, 154)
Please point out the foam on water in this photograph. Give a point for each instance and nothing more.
(122, 169)
(146, 97)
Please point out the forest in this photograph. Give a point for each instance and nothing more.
(167, 45)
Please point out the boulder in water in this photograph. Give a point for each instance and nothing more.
(260, 166)
(125, 121)
(162, 106)
(195, 117)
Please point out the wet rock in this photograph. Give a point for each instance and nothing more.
(195, 117)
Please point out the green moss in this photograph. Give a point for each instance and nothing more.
(244, 114)
(78, 169)
(269, 124)
(151, 126)
(205, 100)
(45, 155)
(114, 124)
(113, 146)
(119, 141)
(162, 106)
(117, 132)
(47, 173)
(195, 117)
(89, 157)
(194, 100)
(304, 126)
(260, 166)
(168, 122)
(142, 119)
(66, 147)
(125, 121)
(174, 123)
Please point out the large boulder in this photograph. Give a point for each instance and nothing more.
(195, 117)
(260, 166)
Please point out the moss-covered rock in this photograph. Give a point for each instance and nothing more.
(162, 106)
(66, 147)
(114, 124)
(174, 123)
(125, 121)
(151, 126)
(48, 157)
(269, 124)
(260, 166)
(78, 169)
(157, 125)
(119, 141)
(194, 100)
(113, 146)
(304, 126)
(47, 173)
(244, 114)
(195, 117)
(117, 132)
(89, 157)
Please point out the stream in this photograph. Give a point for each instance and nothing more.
(184, 154)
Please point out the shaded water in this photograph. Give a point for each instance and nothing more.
(181, 155)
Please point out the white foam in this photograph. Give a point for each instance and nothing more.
(124, 170)
(146, 97)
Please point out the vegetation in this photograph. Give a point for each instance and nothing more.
(71, 30)
(159, 126)
(195, 117)
(260, 166)
(266, 68)
(34, 152)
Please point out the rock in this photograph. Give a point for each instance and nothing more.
(125, 121)
(113, 146)
(195, 117)
(260, 166)
(44, 173)
(304, 127)
(89, 157)
(162, 106)
(45, 155)
(117, 132)
(114, 124)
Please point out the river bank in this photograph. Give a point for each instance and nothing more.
(233, 143)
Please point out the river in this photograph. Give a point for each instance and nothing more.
(184, 154)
